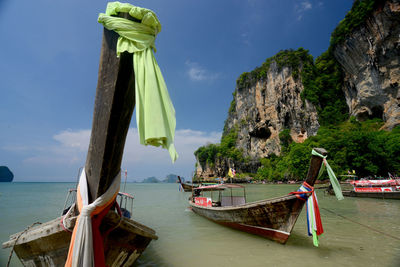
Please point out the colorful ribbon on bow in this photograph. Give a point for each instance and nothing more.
(306, 192)
(86, 246)
(314, 224)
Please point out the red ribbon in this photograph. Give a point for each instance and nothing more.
(317, 214)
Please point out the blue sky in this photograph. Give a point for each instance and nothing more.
(49, 60)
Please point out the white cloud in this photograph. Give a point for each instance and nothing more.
(302, 8)
(305, 5)
(79, 139)
(186, 142)
(198, 73)
(70, 149)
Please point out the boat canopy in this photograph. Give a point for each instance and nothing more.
(218, 187)
(390, 182)
(125, 194)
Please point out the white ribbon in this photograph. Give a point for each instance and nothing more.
(83, 254)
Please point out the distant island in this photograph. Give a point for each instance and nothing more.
(151, 180)
(5, 174)
(171, 178)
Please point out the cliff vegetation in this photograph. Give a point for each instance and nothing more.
(353, 87)
(352, 145)
(207, 155)
(323, 81)
(359, 12)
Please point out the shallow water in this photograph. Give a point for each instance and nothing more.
(358, 232)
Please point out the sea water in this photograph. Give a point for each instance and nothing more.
(357, 231)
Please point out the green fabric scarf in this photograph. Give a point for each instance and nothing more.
(155, 114)
(332, 177)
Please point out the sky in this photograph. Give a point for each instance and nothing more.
(49, 61)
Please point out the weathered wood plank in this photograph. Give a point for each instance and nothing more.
(47, 244)
(315, 166)
(54, 227)
(114, 104)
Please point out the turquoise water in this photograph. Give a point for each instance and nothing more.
(186, 239)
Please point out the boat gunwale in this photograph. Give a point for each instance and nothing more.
(247, 205)
(54, 226)
(376, 195)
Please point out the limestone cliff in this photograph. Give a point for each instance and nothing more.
(370, 58)
(266, 107)
(268, 102)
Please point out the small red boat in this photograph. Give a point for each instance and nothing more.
(386, 188)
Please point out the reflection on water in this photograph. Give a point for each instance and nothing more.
(186, 239)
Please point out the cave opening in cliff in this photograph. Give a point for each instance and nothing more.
(377, 112)
(287, 121)
(261, 132)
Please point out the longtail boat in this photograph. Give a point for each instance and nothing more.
(272, 218)
(186, 187)
(123, 239)
(384, 188)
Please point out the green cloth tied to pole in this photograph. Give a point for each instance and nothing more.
(332, 177)
(155, 114)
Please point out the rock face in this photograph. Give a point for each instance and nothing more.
(267, 107)
(221, 167)
(262, 109)
(268, 103)
(217, 170)
(370, 58)
(5, 174)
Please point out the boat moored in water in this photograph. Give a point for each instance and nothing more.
(101, 234)
(47, 244)
(384, 188)
(270, 218)
(186, 187)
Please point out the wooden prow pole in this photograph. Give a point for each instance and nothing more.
(114, 104)
(315, 166)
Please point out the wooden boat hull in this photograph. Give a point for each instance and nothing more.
(186, 187)
(273, 218)
(382, 195)
(48, 243)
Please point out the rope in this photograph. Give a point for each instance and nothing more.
(67, 215)
(16, 240)
(363, 225)
(304, 186)
(63, 227)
